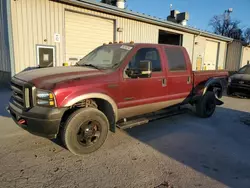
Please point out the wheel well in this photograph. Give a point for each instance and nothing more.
(217, 89)
(101, 104)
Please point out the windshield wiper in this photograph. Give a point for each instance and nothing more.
(89, 65)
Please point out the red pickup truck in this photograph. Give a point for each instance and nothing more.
(114, 85)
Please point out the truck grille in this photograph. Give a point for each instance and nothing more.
(21, 94)
(237, 81)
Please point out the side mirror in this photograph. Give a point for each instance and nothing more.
(143, 70)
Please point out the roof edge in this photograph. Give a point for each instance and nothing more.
(141, 17)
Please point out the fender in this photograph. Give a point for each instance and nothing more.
(214, 82)
(95, 95)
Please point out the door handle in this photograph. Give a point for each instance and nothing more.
(189, 80)
(164, 82)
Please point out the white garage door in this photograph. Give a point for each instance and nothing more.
(211, 52)
(84, 33)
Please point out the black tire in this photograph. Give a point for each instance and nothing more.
(77, 134)
(205, 107)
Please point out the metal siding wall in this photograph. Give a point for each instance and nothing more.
(188, 43)
(4, 46)
(200, 47)
(222, 55)
(233, 56)
(199, 50)
(245, 56)
(33, 21)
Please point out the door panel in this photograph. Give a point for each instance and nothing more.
(143, 90)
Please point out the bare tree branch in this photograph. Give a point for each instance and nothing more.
(225, 26)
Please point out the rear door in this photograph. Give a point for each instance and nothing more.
(140, 91)
(179, 79)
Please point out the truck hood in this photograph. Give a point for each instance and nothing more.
(47, 77)
(241, 77)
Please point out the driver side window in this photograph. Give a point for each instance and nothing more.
(143, 54)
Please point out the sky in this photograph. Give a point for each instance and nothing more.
(200, 11)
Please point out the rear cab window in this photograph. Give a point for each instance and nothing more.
(245, 70)
(175, 59)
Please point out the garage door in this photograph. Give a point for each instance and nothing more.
(211, 52)
(84, 33)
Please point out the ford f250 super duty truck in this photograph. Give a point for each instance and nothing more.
(113, 86)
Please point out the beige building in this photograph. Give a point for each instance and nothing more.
(238, 55)
(245, 56)
(49, 33)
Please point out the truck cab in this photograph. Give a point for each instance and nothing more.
(112, 84)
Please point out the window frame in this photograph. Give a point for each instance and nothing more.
(148, 47)
(167, 60)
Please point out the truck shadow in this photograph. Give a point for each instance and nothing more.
(5, 96)
(217, 147)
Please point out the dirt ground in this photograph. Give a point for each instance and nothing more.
(181, 151)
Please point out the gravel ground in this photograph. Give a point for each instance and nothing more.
(181, 151)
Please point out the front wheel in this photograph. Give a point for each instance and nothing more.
(85, 131)
(205, 107)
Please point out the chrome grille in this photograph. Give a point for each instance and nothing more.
(238, 81)
(21, 94)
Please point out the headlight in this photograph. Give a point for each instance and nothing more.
(229, 80)
(45, 98)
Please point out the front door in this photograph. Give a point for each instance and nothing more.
(141, 93)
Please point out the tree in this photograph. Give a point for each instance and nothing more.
(247, 35)
(225, 26)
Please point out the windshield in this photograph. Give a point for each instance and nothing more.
(107, 56)
(244, 70)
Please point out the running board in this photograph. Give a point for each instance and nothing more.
(150, 117)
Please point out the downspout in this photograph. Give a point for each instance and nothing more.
(241, 57)
(194, 45)
(10, 38)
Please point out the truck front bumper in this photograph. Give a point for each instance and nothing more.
(243, 90)
(40, 121)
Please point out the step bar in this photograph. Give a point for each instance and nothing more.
(150, 117)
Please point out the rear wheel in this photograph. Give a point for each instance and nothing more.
(205, 107)
(85, 131)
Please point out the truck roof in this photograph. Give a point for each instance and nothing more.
(146, 44)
